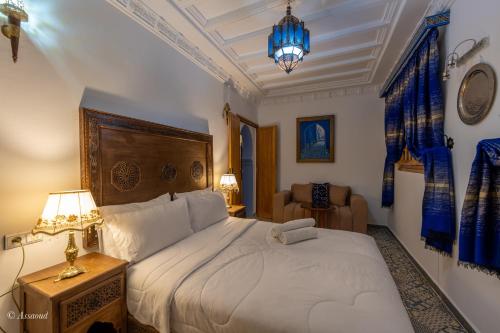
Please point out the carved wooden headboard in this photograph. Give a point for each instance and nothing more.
(127, 160)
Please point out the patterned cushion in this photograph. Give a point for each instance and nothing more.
(321, 195)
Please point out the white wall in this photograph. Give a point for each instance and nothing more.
(85, 53)
(359, 145)
(475, 294)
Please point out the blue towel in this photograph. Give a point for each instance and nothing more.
(479, 245)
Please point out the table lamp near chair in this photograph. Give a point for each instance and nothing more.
(73, 211)
(228, 185)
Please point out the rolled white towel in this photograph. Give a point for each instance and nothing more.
(277, 230)
(298, 235)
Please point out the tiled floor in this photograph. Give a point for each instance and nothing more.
(427, 310)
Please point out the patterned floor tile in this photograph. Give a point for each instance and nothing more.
(428, 313)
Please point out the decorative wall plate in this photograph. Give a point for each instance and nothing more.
(476, 94)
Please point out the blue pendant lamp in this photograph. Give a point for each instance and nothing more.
(289, 42)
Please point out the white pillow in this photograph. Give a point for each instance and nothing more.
(137, 234)
(107, 244)
(106, 241)
(195, 192)
(206, 209)
(113, 209)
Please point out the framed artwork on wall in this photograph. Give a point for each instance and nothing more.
(315, 139)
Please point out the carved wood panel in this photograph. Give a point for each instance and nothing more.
(93, 301)
(127, 160)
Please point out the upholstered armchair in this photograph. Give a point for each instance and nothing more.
(350, 211)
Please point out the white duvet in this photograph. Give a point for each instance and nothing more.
(234, 277)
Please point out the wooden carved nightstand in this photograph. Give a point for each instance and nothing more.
(237, 211)
(91, 302)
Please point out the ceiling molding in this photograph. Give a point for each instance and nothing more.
(330, 65)
(326, 37)
(321, 86)
(319, 95)
(346, 7)
(315, 78)
(242, 12)
(148, 18)
(321, 55)
(382, 34)
(220, 25)
(227, 39)
(434, 7)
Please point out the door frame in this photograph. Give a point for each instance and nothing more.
(227, 115)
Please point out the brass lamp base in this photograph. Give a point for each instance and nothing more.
(70, 272)
(71, 255)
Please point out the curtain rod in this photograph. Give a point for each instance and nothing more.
(430, 22)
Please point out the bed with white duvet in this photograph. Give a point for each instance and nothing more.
(233, 276)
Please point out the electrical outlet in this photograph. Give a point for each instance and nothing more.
(26, 238)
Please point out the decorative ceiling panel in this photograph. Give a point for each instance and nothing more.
(338, 28)
(349, 39)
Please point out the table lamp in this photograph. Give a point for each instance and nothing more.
(228, 184)
(73, 211)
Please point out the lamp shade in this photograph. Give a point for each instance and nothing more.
(70, 210)
(228, 182)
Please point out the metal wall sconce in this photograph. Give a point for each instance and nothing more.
(14, 10)
(454, 60)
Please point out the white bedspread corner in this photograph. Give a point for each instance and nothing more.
(153, 282)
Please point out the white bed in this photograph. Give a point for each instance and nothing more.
(234, 277)
(197, 270)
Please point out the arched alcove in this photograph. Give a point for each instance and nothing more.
(247, 169)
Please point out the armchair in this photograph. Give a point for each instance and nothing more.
(351, 212)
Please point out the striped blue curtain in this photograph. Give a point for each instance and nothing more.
(418, 95)
(479, 240)
(394, 140)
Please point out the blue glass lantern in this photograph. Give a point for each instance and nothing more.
(289, 42)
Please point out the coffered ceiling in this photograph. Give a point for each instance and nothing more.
(353, 42)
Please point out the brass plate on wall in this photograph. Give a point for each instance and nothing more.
(476, 94)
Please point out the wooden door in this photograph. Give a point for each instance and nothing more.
(234, 152)
(266, 170)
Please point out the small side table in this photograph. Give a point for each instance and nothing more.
(237, 211)
(320, 214)
(74, 305)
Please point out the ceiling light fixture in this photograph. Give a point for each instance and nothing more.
(288, 42)
(14, 10)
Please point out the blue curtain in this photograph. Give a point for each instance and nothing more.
(394, 140)
(479, 245)
(415, 103)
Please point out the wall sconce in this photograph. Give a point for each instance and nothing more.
(14, 10)
(454, 60)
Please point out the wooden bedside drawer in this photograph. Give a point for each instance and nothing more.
(106, 297)
(96, 299)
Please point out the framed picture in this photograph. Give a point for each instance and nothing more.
(315, 139)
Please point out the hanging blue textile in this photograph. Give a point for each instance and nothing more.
(394, 140)
(438, 205)
(418, 93)
(479, 240)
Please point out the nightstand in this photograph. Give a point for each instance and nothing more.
(96, 299)
(237, 211)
